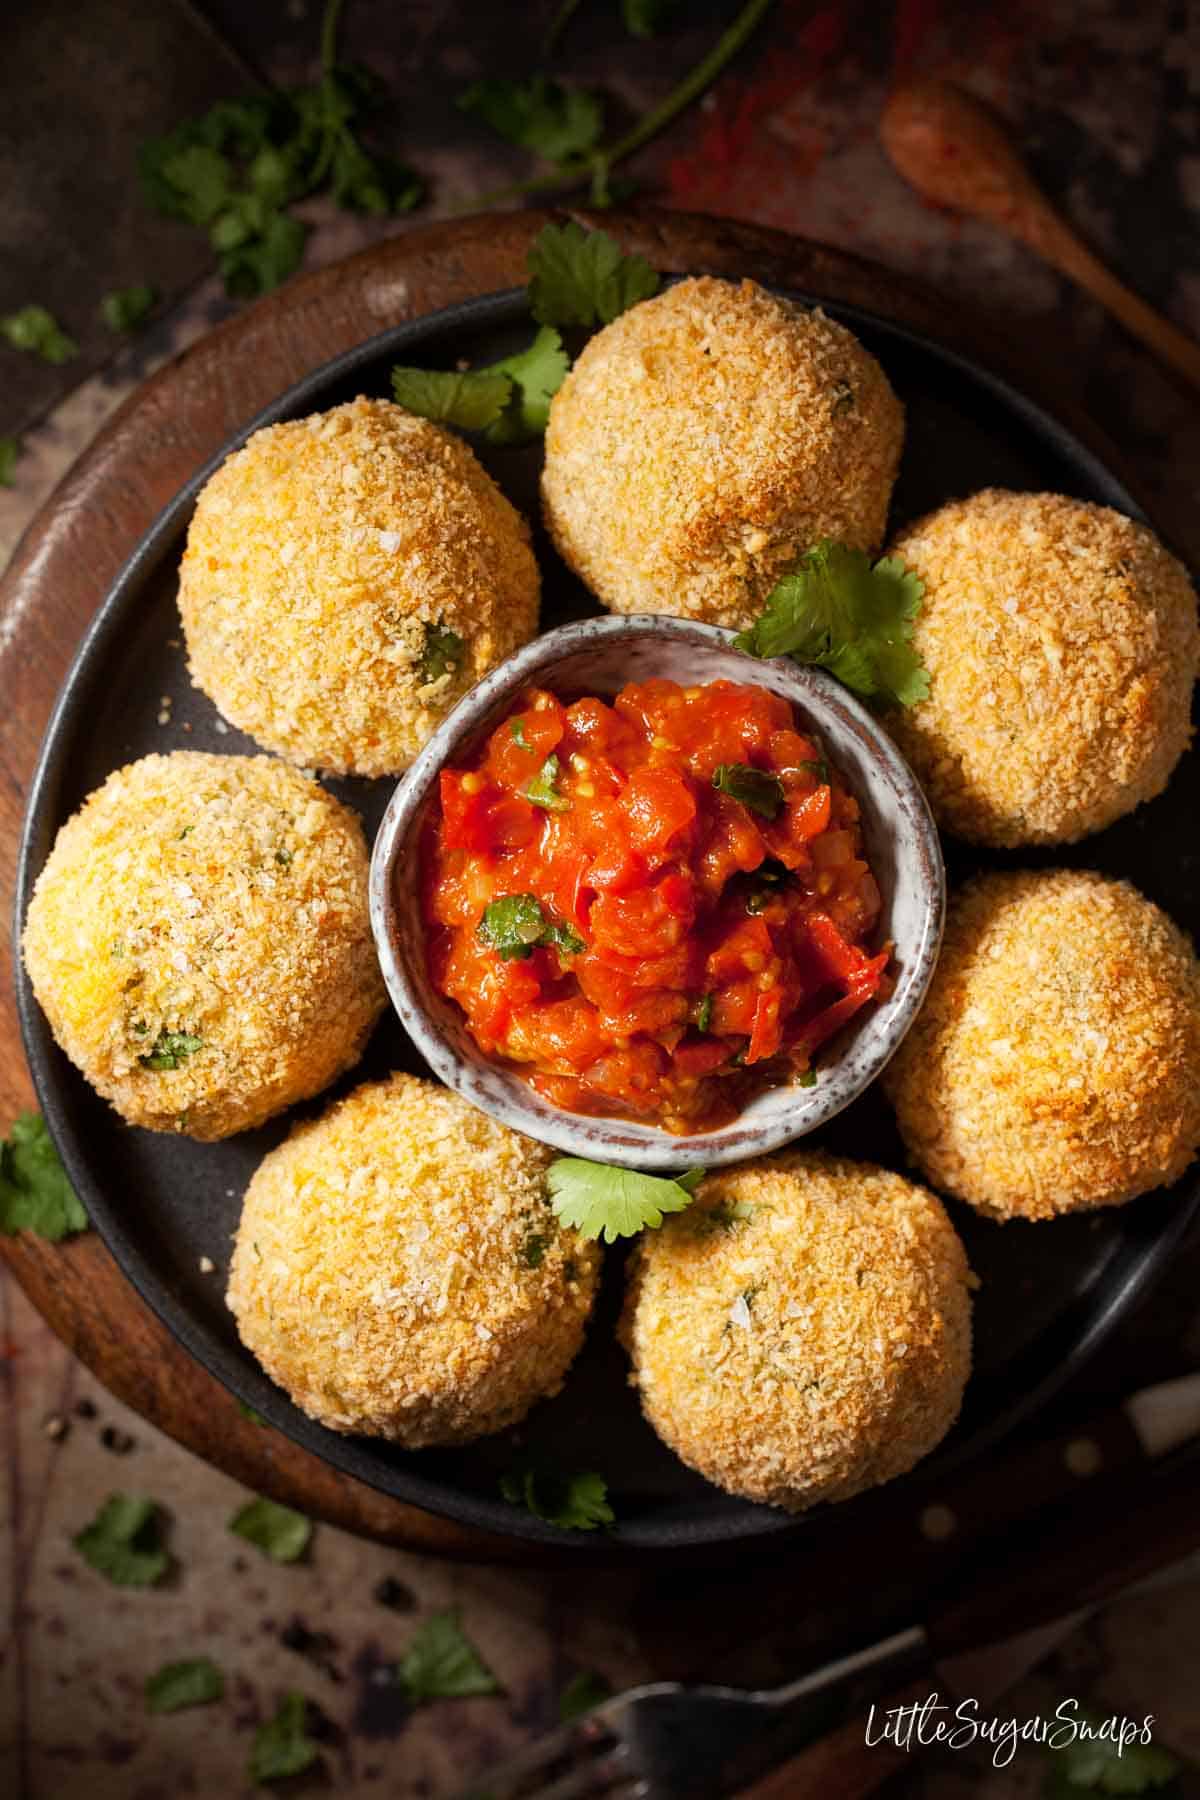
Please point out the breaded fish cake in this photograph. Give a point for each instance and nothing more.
(347, 578)
(399, 1271)
(705, 440)
(199, 941)
(803, 1331)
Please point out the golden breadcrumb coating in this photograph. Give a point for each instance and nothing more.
(399, 1271)
(318, 556)
(707, 438)
(1062, 643)
(1055, 1065)
(803, 1332)
(199, 941)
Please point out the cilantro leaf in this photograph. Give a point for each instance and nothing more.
(838, 611)
(36, 331)
(190, 1683)
(10, 451)
(757, 789)
(645, 18)
(600, 1201)
(536, 375)
(171, 1050)
(702, 1016)
(580, 277)
(583, 1692)
(469, 398)
(260, 261)
(442, 654)
(574, 1501)
(1099, 1765)
(540, 114)
(125, 308)
(277, 1531)
(543, 789)
(517, 728)
(282, 1747)
(123, 1542)
(442, 1663)
(35, 1194)
(517, 925)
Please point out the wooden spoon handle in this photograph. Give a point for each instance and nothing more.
(956, 153)
(1053, 239)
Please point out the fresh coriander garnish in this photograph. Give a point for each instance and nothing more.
(539, 114)
(194, 1682)
(543, 789)
(10, 452)
(441, 654)
(35, 330)
(282, 1746)
(442, 1663)
(535, 376)
(124, 1542)
(757, 789)
(468, 398)
(582, 1693)
(171, 1050)
(572, 1500)
(277, 1531)
(125, 309)
(807, 1079)
(1093, 1764)
(509, 400)
(818, 767)
(517, 925)
(237, 169)
(518, 731)
(579, 277)
(841, 612)
(534, 1246)
(702, 1017)
(600, 1201)
(35, 1194)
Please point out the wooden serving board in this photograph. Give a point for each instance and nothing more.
(59, 577)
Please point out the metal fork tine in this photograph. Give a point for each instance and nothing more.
(574, 1751)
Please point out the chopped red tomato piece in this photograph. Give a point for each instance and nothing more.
(693, 945)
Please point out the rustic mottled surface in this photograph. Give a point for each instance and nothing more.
(1108, 102)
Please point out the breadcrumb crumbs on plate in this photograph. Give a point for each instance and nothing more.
(399, 1271)
(1055, 1065)
(1062, 644)
(200, 943)
(707, 438)
(803, 1331)
(318, 558)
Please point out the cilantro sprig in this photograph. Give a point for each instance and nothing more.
(171, 1050)
(282, 1746)
(35, 330)
(125, 308)
(603, 1202)
(124, 1542)
(515, 926)
(543, 789)
(276, 1530)
(35, 1194)
(574, 1500)
(509, 401)
(442, 1663)
(757, 789)
(1092, 1764)
(579, 277)
(442, 653)
(238, 169)
(540, 114)
(841, 612)
(194, 1682)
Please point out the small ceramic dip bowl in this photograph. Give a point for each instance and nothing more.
(598, 656)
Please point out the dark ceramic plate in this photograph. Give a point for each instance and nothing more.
(1049, 1292)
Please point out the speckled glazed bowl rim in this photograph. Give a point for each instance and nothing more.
(598, 655)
